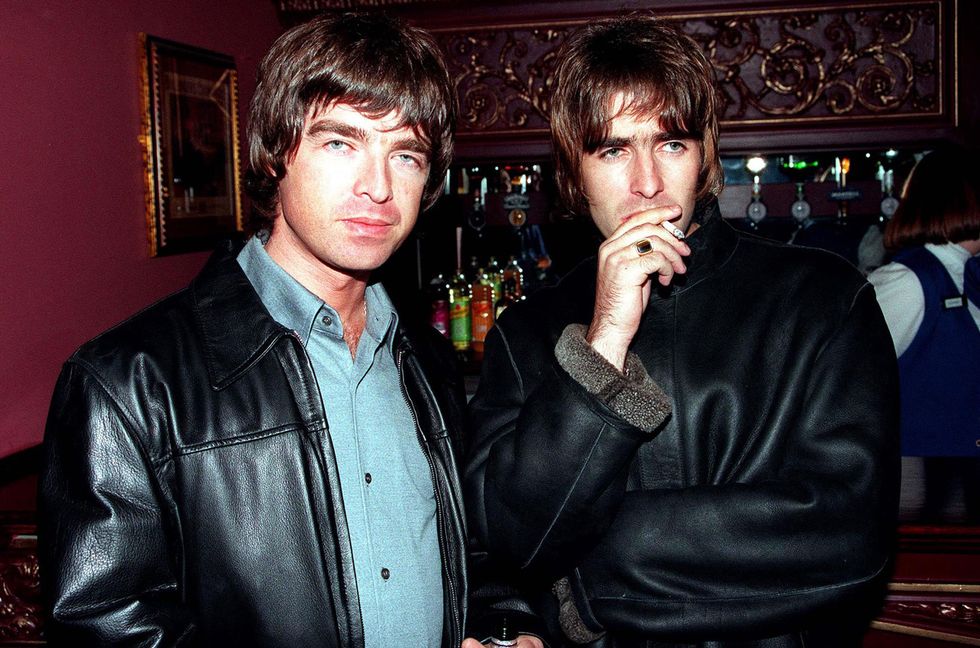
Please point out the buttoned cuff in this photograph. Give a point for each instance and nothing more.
(631, 394)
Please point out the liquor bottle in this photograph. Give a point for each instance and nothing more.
(459, 312)
(842, 166)
(496, 274)
(439, 304)
(473, 270)
(514, 271)
(503, 636)
(481, 312)
(510, 297)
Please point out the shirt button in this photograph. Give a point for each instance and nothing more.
(385, 574)
(327, 320)
(367, 477)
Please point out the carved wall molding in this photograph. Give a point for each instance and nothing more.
(828, 63)
(965, 613)
(313, 6)
(295, 7)
(503, 77)
(774, 68)
(20, 585)
(945, 617)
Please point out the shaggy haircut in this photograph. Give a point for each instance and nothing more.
(662, 73)
(940, 202)
(372, 62)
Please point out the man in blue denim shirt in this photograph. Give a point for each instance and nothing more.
(268, 457)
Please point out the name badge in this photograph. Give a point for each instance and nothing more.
(954, 302)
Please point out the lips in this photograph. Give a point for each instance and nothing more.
(368, 226)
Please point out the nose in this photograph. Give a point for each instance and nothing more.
(646, 180)
(374, 178)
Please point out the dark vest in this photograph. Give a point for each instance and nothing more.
(940, 370)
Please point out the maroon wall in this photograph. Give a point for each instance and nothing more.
(73, 245)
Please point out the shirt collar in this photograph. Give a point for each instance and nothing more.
(949, 253)
(382, 318)
(295, 307)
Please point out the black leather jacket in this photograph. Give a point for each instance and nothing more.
(762, 507)
(190, 494)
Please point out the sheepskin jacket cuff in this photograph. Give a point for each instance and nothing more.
(631, 394)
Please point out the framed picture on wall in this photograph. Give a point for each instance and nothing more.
(190, 146)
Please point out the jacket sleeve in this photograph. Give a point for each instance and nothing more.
(712, 560)
(108, 563)
(536, 496)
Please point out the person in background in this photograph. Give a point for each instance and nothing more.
(693, 438)
(930, 296)
(268, 457)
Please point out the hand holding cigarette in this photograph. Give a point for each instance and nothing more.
(645, 245)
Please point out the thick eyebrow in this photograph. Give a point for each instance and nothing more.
(322, 126)
(411, 144)
(670, 136)
(616, 142)
(659, 138)
(342, 129)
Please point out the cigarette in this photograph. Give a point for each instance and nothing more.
(675, 232)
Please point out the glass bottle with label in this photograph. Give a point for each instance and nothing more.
(481, 312)
(439, 304)
(514, 271)
(512, 295)
(496, 274)
(459, 312)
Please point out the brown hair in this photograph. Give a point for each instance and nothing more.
(939, 202)
(660, 70)
(370, 61)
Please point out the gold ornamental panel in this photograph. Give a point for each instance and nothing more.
(779, 67)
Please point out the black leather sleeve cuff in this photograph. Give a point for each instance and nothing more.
(631, 394)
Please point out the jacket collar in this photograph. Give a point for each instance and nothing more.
(235, 325)
(712, 245)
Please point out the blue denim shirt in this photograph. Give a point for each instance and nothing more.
(388, 494)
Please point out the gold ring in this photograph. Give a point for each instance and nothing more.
(643, 246)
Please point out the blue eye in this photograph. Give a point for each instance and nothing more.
(674, 147)
(336, 145)
(409, 160)
(611, 153)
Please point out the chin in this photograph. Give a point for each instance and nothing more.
(365, 262)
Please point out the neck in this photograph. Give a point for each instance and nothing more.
(973, 247)
(343, 290)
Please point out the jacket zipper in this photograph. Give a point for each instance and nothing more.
(435, 492)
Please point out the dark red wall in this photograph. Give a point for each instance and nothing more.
(73, 246)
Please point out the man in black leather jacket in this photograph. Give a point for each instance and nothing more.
(192, 492)
(692, 439)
